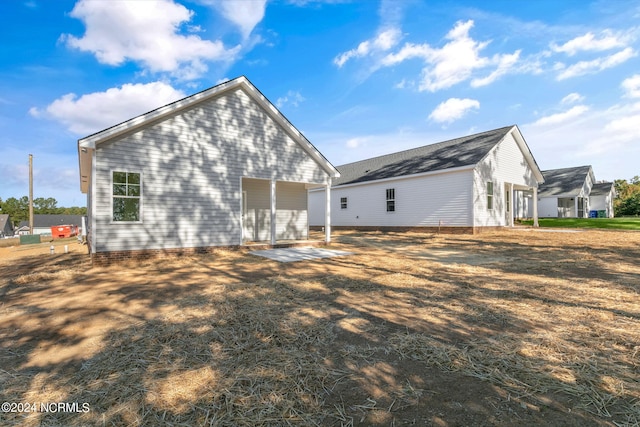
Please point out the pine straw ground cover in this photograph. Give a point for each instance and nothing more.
(510, 328)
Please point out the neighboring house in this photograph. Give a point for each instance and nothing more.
(601, 199)
(462, 185)
(565, 193)
(6, 228)
(42, 223)
(218, 168)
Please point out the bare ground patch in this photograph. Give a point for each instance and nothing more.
(413, 329)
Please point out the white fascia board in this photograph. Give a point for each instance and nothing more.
(398, 178)
(85, 156)
(91, 140)
(524, 147)
(137, 122)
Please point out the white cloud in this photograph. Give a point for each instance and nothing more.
(293, 98)
(146, 32)
(96, 111)
(244, 14)
(384, 41)
(505, 64)
(632, 86)
(356, 142)
(596, 65)
(589, 42)
(455, 62)
(453, 109)
(572, 98)
(558, 118)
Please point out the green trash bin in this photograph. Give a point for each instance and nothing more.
(602, 214)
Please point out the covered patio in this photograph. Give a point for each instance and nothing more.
(275, 213)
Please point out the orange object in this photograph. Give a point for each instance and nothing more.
(62, 231)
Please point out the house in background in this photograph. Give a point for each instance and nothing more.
(6, 227)
(42, 223)
(219, 168)
(601, 200)
(462, 185)
(565, 193)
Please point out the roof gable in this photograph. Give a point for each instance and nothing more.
(5, 223)
(602, 189)
(564, 181)
(88, 144)
(456, 153)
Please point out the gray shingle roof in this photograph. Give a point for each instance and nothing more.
(563, 181)
(5, 225)
(601, 188)
(459, 152)
(49, 220)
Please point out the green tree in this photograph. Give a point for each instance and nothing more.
(45, 206)
(18, 209)
(627, 201)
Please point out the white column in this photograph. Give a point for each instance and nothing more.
(512, 210)
(273, 211)
(327, 212)
(535, 207)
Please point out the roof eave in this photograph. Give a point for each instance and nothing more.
(91, 141)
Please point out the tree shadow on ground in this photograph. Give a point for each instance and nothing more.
(232, 339)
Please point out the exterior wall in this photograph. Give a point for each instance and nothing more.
(191, 166)
(602, 203)
(548, 207)
(522, 205)
(442, 199)
(257, 217)
(505, 164)
(291, 211)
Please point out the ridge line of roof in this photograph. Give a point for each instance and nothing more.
(426, 145)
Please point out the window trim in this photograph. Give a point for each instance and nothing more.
(391, 199)
(113, 196)
(490, 195)
(344, 202)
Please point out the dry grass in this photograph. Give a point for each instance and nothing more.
(524, 327)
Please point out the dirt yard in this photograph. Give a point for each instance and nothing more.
(518, 327)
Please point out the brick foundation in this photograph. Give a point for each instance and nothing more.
(442, 230)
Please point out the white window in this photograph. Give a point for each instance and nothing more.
(507, 197)
(127, 193)
(343, 203)
(489, 195)
(391, 199)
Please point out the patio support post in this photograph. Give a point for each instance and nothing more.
(512, 210)
(327, 213)
(535, 207)
(273, 211)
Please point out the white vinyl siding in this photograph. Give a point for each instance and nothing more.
(424, 201)
(505, 164)
(192, 165)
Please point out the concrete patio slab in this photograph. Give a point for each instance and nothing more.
(299, 254)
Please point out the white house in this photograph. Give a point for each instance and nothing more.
(462, 185)
(42, 223)
(565, 192)
(601, 199)
(218, 168)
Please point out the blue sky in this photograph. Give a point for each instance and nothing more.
(358, 78)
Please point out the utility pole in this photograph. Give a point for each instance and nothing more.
(30, 193)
